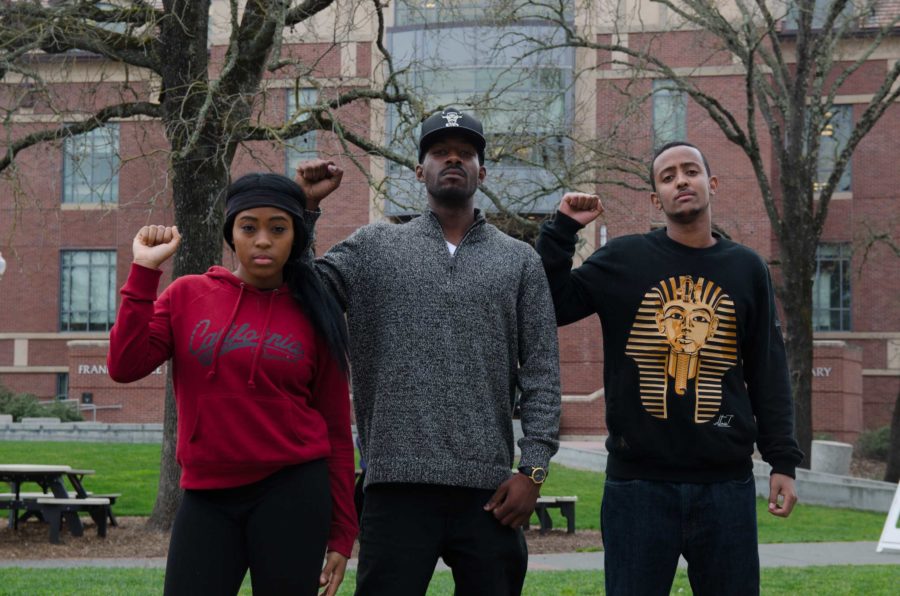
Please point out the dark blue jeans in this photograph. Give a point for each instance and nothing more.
(646, 525)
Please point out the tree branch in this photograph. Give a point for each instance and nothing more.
(61, 29)
(308, 9)
(125, 110)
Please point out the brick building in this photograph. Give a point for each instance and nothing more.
(68, 217)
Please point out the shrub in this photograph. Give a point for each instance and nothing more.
(25, 405)
(875, 444)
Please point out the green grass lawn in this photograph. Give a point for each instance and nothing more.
(130, 469)
(133, 471)
(872, 580)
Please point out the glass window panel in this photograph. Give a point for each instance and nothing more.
(832, 141)
(831, 288)
(303, 147)
(62, 386)
(820, 8)
(87, 295)
(519, 101)
(669, 113)
(91, 166)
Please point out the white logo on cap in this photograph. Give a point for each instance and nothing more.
(451, 118)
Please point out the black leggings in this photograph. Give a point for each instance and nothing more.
(277, 527)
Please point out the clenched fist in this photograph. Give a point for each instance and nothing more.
(581, 207)
(153, 245)
(318, 178)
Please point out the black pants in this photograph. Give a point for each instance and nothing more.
(407, 527)
(277, 527)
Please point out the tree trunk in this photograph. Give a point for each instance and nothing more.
(798, 255)
(196, 192)
(168, 496)
(892, 474)
(799, 345)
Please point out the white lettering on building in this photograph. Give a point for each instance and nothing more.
(101, 369)
(822, 371)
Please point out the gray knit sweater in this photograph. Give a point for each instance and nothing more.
(439, 345)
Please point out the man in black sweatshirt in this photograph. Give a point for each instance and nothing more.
(694, 373)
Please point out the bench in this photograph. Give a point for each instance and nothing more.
(112, 501)
(53, 509)
(6, 500)
(24, 495)
(566, 506)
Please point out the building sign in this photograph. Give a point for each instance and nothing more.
(101, 369)
(822, 371)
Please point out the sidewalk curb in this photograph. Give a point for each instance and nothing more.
(770, 555)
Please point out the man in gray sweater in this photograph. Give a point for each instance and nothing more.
(449, 317)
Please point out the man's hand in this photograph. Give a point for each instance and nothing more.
(332, 573)
(153, 245)
(513, 502)
(318, 178)
(581, 207)
(781, 486)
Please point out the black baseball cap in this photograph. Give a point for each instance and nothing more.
(451, 120)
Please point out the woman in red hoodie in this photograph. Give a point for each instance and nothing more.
(259, 365)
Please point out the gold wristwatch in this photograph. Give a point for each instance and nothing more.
(536, 475)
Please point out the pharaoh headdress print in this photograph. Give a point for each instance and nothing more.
(686, 331)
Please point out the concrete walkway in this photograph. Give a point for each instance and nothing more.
(770, 555)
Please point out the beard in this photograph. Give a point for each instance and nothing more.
(451, 195)
(687, 216)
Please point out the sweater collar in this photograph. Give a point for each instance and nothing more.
(662, 238)
(431, 222)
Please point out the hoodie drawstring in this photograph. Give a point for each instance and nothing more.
(251, 383)
(215, 357)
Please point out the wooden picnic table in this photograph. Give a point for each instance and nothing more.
(49, 478)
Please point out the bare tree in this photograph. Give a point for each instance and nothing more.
(207, 103)
(796, 57)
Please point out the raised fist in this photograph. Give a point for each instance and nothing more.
(581, 207)
(153, 245)
(318, 178)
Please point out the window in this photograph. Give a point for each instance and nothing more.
(87, 296)
(831, 288)
(833, 140)
(848, 18)
(669, 113)
(300, 148)
(524, 100)
(62, 386)
(91, 166)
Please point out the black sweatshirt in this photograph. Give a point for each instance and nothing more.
(694, 362)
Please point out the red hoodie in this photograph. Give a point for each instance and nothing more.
(243, 413)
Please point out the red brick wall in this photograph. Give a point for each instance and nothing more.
(141, 401)
(837, 391)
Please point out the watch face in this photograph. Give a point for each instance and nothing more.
(539, 475)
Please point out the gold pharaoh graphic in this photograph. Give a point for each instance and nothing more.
(684, 330)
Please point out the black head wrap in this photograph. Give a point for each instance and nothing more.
(264, 190)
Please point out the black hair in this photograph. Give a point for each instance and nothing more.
(305, 286)
(659, 151)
